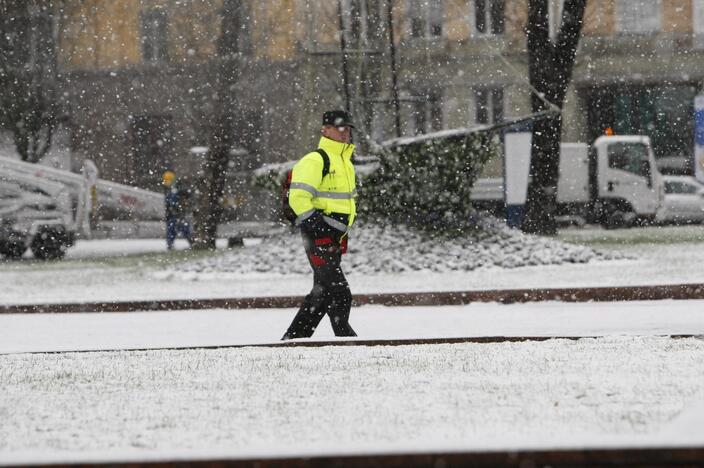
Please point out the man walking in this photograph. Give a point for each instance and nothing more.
(174, 211)
(322, 196)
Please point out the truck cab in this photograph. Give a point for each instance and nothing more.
(613, 182)
(626, 187)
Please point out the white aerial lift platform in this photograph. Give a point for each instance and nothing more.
(46, 209)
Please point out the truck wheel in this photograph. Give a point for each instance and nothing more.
(48, 245)
(615, 220)
(12, 250)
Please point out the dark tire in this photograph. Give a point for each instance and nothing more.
(615, 220)
(233, 242)
(48, 244)
(12, 250)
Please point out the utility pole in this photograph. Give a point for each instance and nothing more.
(343, 48)
(394, 73)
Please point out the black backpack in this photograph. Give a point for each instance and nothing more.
(287, 212)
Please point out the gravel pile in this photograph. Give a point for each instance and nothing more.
(376, 249)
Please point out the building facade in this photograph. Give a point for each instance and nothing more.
(140, 76)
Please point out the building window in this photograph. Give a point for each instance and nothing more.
(154, 29)
(489, 105)
(488, 16)
(641, 17)
(425, 18)
(427, 112)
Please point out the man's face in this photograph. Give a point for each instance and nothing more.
(341, 134)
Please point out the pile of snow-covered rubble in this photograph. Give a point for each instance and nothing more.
(374, 249)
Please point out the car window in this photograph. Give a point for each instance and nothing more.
(631, 157)
(673, 187)
(689, 188)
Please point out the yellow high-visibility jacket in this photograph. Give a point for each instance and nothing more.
(334, 193)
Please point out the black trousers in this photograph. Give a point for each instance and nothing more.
(330, 294)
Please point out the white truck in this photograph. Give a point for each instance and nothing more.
(45, 209)
(613, 182)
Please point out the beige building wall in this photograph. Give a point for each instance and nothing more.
(599, 18)
(106, 35)
(273, 29)
(456, 27)
(99, 35)
(677, 16)
(194, 27)
(293, 64)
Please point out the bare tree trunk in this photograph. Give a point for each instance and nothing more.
(550, 72)
(223, 138)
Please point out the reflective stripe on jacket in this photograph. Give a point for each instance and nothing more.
(333, 193)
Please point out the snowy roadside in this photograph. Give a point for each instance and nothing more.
(144, 270)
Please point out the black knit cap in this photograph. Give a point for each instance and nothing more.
(337, 118)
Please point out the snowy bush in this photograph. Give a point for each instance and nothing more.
(271, 176)
(425, 183)
(377, 249)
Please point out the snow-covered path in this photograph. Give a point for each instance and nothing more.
(142, 330)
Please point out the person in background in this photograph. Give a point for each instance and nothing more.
(175, 212)
(322, 195)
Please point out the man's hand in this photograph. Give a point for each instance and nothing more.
(314, 225)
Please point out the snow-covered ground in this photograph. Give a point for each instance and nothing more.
(266, 402)
(630, 387)
(106, 270)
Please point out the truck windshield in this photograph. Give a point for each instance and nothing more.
(630, 157)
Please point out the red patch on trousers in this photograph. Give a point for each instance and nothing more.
(323, 241)
(317, 261)
(343, 245)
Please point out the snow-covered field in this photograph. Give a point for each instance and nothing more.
(631, 387)
(632, 391)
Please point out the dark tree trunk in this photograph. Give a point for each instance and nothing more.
(550, 72)
(222, 140)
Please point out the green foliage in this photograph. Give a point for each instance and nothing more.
(271, 176)
(426, 183)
